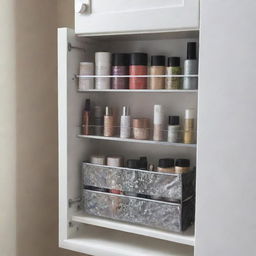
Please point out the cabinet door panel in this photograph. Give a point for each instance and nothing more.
(119, 16)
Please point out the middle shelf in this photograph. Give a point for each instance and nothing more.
(164, 143)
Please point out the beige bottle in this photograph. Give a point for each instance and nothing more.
(189, 126)
(109, 130)
(157, 68)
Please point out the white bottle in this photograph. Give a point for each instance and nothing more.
(125, 124)
(86, 69)
(102, 68)
(158, 123)
(174, 129)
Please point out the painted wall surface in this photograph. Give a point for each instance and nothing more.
(28, 130)
(7, 129)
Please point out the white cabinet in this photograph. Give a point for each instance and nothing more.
(96, 17)
(98, 236)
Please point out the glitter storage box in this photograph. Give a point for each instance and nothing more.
(159, 200)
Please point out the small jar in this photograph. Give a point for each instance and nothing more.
(115, 161)
(98, 159)
(174, 129)
(138, 66)
(182, 165)
(173, 68)
(143, 163)
(157, 68)
(166, 165)
(140, 128)
(133, 164)
(86, 69)
(102, 68)
(120, 67)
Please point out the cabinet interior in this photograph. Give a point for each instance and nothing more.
(80, 226)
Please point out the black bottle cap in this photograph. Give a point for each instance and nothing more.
(139, 58)
(174, 61)
(158, 60)
(166, 163)
(191, 50)
(87, 105)
(174, 120)
(182, 162)
(143, 162)
(133, 164)
(120, 59)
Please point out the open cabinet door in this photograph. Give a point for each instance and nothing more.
(71, 51)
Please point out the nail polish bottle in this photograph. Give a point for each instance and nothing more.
(189, 126)
(190, 68)
(86, 117)
(158, 123)
(125, 124)
(108, 123)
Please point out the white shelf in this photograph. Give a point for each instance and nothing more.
(139, 91)
(141, 76)
(186, 237)
(98, 241)
(164, 143)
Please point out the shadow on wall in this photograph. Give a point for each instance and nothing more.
(36, 130)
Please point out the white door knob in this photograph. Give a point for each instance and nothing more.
(83, 9)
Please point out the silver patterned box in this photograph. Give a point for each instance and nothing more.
(168, 216)
(170, 187)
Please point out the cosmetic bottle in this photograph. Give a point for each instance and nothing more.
(98, 121)
(86, 117)
(138, 66)
(151, 168)
(190, 68)
(120, 67)
(189, 126)
(141, 128)
(143, 163)
(174, 129)
(166, 165)
(157, 68)
(182, 165)
(102, 68)
(98, 159)
(125, 124)
(158, 123)
(109, 130)
(86, 69)
(173, 83)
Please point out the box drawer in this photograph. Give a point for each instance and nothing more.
(97, 17)
(170, 187)
(162, 215)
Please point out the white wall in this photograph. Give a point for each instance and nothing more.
(226, 174)
(7, 129)
(28, 112)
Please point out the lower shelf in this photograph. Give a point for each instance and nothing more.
(186, 238)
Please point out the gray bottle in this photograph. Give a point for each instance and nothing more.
(190, 68)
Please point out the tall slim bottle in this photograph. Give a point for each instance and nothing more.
(125, 124)
(109, 130)
(86, 117)
(189, 125)
(190, 68)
